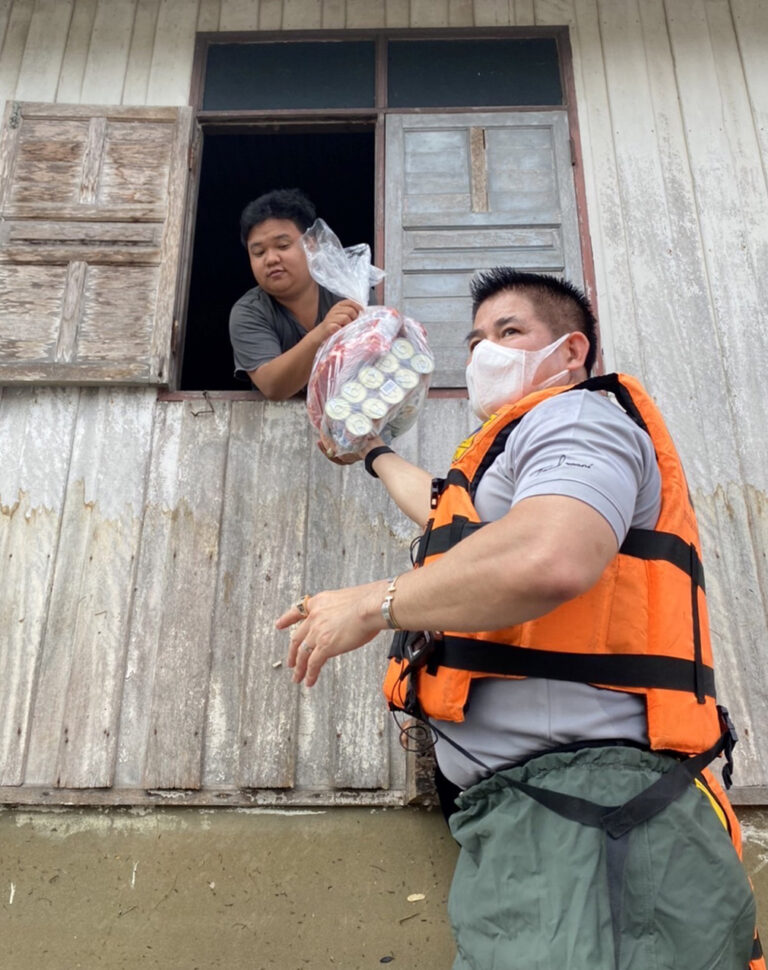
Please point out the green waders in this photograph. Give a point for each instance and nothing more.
(628, 868)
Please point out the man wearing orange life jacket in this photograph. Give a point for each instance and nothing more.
(578, 727)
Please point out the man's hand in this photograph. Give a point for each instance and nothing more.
(328, 448)
(338, 621)
(339, 316)
(286, 374)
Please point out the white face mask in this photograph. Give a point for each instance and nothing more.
(498, 375)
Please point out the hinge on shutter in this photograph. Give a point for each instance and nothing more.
(192, 153)
(15, 119)
(572, 146)
(175, 337)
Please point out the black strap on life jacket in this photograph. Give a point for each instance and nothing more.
(650, 544)
(618, 670)
(612, 384)
(498, 445)
(605, 382)
(639, 543)
(615, 670)
(616, 820)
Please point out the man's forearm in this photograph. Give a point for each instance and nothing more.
(545, 551)
(408, 485)
(287, 374)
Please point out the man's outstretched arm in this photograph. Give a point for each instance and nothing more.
(545, 551)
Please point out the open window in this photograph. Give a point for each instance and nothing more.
(333, 164)
(446, 154)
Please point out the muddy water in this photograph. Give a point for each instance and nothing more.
(198, 890)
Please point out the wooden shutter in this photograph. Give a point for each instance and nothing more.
(92, 204)
(467, 192)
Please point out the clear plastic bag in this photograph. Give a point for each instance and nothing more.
(346, 272)
(372, 376)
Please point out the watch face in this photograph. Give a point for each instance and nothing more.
(386, 611)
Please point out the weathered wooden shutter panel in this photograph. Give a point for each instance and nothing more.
(91, 217)
(467, 192)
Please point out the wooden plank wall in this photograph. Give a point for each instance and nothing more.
(673, 111)
(147, 548)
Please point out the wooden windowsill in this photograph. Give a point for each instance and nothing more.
(166, 395)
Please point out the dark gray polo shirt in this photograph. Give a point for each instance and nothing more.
(261, 329)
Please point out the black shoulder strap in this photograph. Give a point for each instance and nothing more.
(611, 382)
(498, 445)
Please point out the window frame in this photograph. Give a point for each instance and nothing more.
(210, 120)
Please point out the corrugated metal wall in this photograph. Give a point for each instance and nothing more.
(100, 488)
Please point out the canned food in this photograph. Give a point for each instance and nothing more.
(371, 377)
(406, 378)
(422, 364)
(391, 392)
(337, 409)
(353, 391)
(374, 408)
(403, 349)
(358, 425)
(388, 364)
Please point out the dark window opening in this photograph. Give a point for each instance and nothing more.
(335, 169)
(322, 112)
(467, 73)
(302, 74)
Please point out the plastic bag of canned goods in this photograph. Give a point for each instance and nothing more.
(371, 377)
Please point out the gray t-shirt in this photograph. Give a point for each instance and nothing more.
(579, 444)
(261, 329)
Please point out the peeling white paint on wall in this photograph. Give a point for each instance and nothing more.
(757, 837)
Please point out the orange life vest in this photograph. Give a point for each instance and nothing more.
(642, 628)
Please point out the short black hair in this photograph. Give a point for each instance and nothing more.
(560, 304)
(278, 204)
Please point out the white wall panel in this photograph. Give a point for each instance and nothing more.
(371, 13)
(43, 49)
(209, 15)
(171, 70)
(241, 14)
(139, 60)
(108, 53)
(69, 90)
